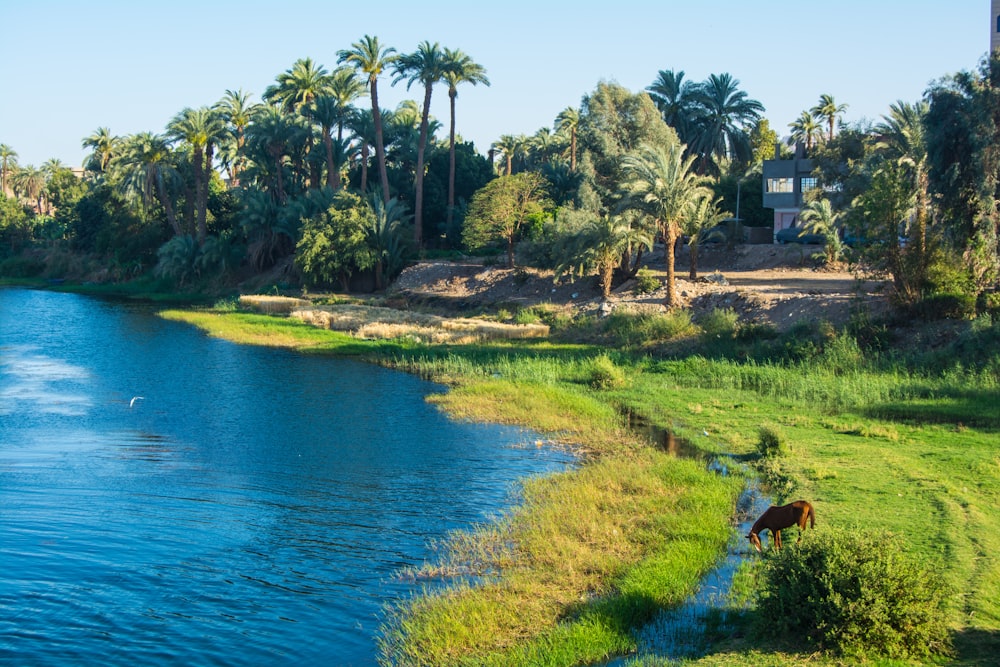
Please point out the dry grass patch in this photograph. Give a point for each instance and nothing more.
(272, 305)
(374, 323)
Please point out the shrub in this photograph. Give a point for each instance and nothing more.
(604, 374)
(646, 282)
(854, 594)
(770, 443)
(719, 323)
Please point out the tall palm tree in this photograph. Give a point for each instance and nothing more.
(345, 87)
(29, 184)
(238, 113)
(805, 130)
(461, 69)
(104, 146)
(362, 124)
(902, 138)
(326, 111)
(8, 160)
(828, 110)
(660, 182)
(202, 129)
(675, 98)
(270, 138)
(510, 146)
(427, 65)
(146, 169)
(369, 57)
(568, 120)
(724, 115)
(299, 85)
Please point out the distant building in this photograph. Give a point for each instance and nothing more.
(785, 182)
(994, 25)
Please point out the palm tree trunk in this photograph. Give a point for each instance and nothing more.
(693, 268)
(572, 150)
(451, 163)
(670, 234)
(199, 186)
(332, 173)
(364, 166)
(168, 206)
(418, 205)
(379, 146)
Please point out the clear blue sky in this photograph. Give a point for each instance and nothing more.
(67, 68)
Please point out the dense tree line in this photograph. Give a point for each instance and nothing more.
(314, 179)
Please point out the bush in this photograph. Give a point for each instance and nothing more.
(720, 323)
(646, 282)
(854, 594)
(604, 374)
(770, 443)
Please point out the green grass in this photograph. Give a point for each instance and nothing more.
(906, 444)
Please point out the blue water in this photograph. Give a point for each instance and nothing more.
(254, 507)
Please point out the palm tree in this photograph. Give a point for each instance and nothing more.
(660, 182)
(902, 138)
(370, 58)
(724, 113)
(701, 214)
(202, 129)
(568, 120)
(345, 87)
(805, 130)
(29, 183)
(510, 146)
(828, 110)
(104, 145)
(146, 169)
(270, 138)
(326, 111)
(675, 98)
(428, 65)
(362, 124)
(818, 217)
(461, 69)
(608, 238)
(384, 237)
(8, 160)
(298, 86)
(238, 113)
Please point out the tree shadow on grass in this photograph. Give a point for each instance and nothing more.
(975, 408)
(977, 646)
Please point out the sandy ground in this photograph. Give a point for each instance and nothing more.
(763, 283)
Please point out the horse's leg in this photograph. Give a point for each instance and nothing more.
(777, 538)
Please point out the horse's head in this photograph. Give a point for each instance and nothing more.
(755, 541)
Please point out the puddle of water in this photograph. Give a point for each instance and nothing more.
(679, 633)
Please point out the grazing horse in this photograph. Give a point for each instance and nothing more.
(776, 519)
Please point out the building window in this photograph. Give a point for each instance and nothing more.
(808, 184)
(780, 185)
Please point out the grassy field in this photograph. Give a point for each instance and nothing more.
(906, 443)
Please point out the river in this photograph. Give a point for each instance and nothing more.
(170, 498)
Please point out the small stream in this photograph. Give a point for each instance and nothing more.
(679, 633)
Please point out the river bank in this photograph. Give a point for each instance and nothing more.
(845, 421)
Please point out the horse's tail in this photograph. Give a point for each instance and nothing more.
(812, 517)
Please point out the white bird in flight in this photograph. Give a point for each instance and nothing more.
(134, 399)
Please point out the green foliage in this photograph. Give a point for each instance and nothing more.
(333, 246)
(770, 444)
(15, 226)
(500, 211)
(854, 593)
(646, 282)
(604, 374)
(719, 323)
(640, 329)
(176, 259)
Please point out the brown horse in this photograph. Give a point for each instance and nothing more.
(776, 519)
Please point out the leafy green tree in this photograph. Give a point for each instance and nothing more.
(332, 247)
(15, 226)
(828, 110)
(370, 58)
(461, 69)
(660, 182)
(697, 217)
(613, 123)
(472, 171)
(963, 146)
(501, 210)
(763, 141)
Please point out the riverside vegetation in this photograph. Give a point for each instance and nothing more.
(896, 449)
